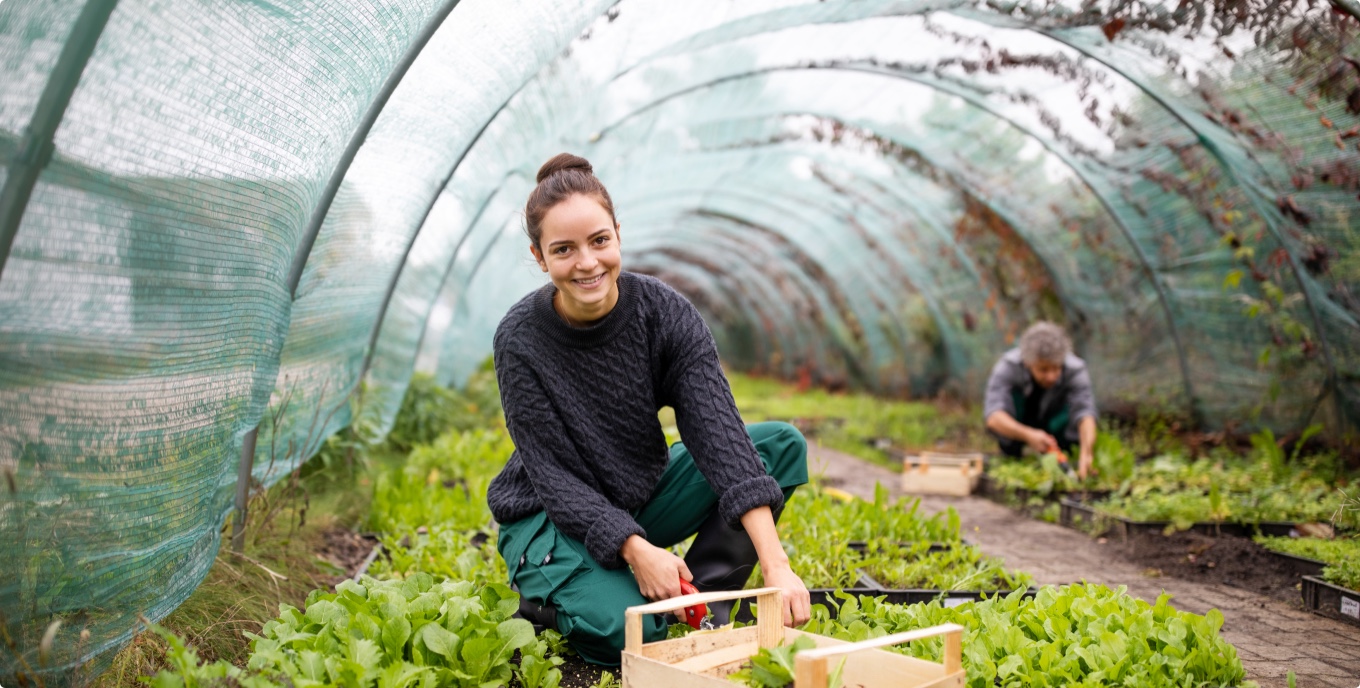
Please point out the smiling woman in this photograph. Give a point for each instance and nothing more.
(584, 365)
(581, 237)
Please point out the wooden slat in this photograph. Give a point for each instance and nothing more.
(770, 621)
(885, 641)
(678, 649)
(683, 601)
(715, 658)
(642, 672)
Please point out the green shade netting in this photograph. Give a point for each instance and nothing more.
(268, 215)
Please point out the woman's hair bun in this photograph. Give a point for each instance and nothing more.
(563, 161)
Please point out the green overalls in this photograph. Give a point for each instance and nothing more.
(1054, 424)
(551, 568)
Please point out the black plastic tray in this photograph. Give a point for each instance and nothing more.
(860, 545)
(950, 598)
(1300, 565)
(1073, 513)
(1331, 600)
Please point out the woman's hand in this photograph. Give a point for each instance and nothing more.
(658, 571)
(774, 565)
(797, 603)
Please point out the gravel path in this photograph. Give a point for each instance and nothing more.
(1271, 638)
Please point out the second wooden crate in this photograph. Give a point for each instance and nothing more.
(941, 473)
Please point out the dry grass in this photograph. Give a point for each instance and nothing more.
(239, 595)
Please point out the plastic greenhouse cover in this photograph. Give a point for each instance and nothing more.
(267, 215)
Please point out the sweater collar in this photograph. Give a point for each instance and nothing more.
(603, 330)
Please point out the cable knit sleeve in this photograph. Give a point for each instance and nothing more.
(554, 468)
(707, 416)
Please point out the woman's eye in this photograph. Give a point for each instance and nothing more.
(601, 240)
(561, 250)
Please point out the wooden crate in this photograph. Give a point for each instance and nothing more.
(706, 659)
(940, 473)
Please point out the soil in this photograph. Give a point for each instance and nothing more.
(577, 674)
(346, 550)
(1231, 561)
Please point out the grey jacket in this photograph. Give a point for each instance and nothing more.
(1073, 389)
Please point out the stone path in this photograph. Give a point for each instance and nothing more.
(1270, 637)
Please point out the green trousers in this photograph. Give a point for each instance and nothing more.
(551, 568)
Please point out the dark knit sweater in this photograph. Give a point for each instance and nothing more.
(581, 404)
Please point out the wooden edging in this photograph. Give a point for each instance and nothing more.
(1331, 600)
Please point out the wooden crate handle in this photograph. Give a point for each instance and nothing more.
(810, 665)
(769, 621)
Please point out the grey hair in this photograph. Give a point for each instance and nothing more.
(1044, 341)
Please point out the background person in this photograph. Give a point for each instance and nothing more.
(1039, 394)
(584, 364)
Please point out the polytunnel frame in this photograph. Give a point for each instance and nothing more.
(469, 227)
(758, 278)
(881, 203)
(313, 229)
(839, 304)
(1191, 399)
(424, 217)
(37, 146)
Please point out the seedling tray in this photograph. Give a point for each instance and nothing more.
(1011, 496)
(1331, 600)
(1074, 514)
(706, 659)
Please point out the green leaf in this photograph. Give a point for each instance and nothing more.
(324, 612)
(440, 641)
(478, 655)
(349, 587)
(403, 675)
(515, 633)
(395, 633)
(312, 665)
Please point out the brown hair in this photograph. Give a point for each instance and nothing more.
(558, 179)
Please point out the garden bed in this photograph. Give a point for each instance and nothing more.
(1330, 600)
(1088, 518)
(1228, 561)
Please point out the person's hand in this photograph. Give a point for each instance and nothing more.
(1040, 441)
(797, 603)
(658, 571)
(1086, 465)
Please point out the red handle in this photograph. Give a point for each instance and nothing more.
(694, 616)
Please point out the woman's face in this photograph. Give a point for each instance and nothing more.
(579, 250)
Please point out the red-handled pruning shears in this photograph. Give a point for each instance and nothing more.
(1062, 460)
(697, 615)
